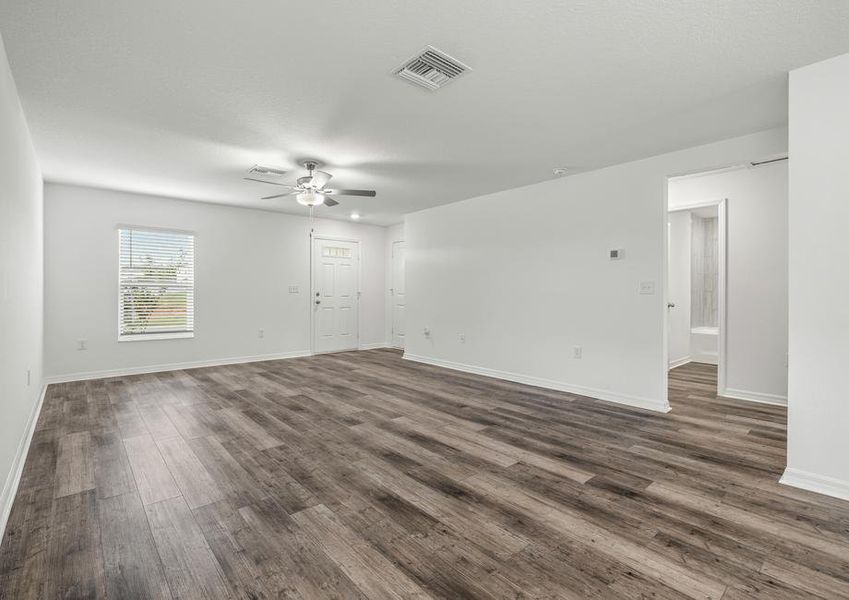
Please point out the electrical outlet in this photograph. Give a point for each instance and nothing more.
(426, 332)
(462, 338)
(577, 352)
(82, 344)
(29, 377)
(261, 333)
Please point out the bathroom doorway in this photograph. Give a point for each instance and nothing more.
(696, 286)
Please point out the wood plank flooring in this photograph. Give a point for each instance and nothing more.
(360, 475)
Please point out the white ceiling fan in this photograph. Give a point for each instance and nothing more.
(310, 190)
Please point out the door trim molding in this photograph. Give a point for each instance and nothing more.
(334, 238)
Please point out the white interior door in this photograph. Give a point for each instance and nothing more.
(335, 295)
(678, 308)
(398, 292)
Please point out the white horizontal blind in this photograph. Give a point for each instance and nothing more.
(156, 282)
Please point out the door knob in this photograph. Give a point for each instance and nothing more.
(318, 301)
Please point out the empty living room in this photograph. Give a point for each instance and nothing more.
(424, 300)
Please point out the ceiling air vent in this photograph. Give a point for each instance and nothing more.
(431, 69)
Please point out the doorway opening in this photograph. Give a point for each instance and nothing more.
(696, 290)
(398, 293)
(335, 294)
(750, 201)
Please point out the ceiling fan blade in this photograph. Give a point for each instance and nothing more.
(277, 196)
(320, 179)
(369, 193)
(271, 182)
(330, 202)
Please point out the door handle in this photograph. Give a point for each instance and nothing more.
(670, 305)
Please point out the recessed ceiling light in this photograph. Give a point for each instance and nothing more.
(355, 216)
(560, 171)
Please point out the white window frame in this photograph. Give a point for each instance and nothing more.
(145, 337)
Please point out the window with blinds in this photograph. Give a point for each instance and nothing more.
(156, 283)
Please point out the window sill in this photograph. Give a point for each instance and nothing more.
(144, 337)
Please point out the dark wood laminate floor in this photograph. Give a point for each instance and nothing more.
(360, 475)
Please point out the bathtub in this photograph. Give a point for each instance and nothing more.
(704, 345)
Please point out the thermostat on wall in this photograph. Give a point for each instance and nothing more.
(617, 254)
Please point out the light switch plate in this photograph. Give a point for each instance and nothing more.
(293, 289)
(647, 288)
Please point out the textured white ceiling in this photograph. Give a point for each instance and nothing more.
(179, 98)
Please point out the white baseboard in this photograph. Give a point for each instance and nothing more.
(759, 397)
(708, 358)
(13, 479)
(635, 401)
(172, 367)
(679, 362)
(812, 482)
(374, 346)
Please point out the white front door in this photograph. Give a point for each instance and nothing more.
(398, 293)
(335, 295)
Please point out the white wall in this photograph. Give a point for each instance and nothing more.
(21, 285)
(680, 233)
(525, 275)
(756, 274)
(818, 400)
(394, 233)
(245, 261)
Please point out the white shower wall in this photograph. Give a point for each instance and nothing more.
(704, 265)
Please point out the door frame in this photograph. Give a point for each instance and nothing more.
(314, 237)
(722, 286)
(392, 294)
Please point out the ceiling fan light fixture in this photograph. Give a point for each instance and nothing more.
(310, 198)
